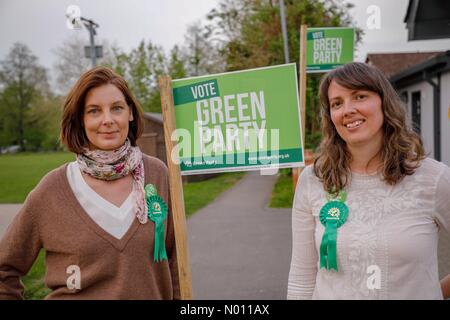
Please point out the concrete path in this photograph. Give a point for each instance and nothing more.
(7, 213)
(239, 248)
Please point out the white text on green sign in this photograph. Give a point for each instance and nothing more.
(238, 121)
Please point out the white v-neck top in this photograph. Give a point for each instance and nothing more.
(114, 220)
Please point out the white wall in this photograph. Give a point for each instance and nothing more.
(427, 109)
(445, 118)
(426, 119)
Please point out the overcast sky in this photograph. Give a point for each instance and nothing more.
(41, 24)
(392, 35)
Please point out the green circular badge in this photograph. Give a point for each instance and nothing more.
(334, 211)
(157, 208)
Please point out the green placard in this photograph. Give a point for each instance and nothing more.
(237, 121)
(329, 48)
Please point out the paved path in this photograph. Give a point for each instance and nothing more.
(7, 213)
(239, 248)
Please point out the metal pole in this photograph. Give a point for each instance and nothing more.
(93, 53)
(91, 25)
(284, 31)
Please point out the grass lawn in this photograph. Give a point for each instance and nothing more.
(21, 172)
(35, 288)
(283, 191)
(29, 169)
(199, 194)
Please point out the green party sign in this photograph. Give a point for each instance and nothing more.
(236, 121)
(329, 48)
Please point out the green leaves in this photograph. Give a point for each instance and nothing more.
(22, 82)
(250, 33)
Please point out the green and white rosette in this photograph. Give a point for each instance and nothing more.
(332, 215)
(157, 212)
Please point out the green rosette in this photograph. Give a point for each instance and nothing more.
(157, 212)
(332, 215)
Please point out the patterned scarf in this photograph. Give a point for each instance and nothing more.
(116, 164)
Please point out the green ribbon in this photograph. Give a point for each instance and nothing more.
(157, 212)
(328, 258)
(332, 215)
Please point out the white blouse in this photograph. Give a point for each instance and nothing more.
(387, 248)
(115, 220)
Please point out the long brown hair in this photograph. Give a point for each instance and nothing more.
(402, 148)
(72, 131)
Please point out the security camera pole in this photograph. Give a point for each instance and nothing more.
(284, 31)
(91, 25)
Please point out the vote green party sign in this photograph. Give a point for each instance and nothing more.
(329, 48)
(236, 121)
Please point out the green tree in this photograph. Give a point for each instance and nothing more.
(177, 69)
(141, 69)
(22, 80)
(71, 62)
(200, 50)
(140, 77)
(8, 118)
(250, 33)
(119, 62)
(43, 123)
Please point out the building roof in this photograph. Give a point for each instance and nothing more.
(393, 63)
(428, 19)
(422, 71)
(155, 116)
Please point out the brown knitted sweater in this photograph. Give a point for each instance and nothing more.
(109, 268)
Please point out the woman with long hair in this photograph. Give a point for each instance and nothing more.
(366, 214)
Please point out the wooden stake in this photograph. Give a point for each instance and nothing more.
(302, 92)
(176, 189)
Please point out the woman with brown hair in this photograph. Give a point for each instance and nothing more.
(366, 215)
(92, 215)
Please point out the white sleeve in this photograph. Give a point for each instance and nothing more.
(442, 200)
(302, 275)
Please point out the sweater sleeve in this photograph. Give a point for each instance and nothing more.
(18, 250)
(302, 275)
(442, 200)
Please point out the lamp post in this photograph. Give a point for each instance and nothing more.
(284, 31)
(94, 52)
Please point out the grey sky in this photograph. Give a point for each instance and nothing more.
(392, 36)
(42, 24)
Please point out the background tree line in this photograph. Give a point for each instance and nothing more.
(237, 34)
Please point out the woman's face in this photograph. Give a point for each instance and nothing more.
(106, 117)
(356, 115)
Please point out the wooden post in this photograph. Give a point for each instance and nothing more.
(302, 92)
(176, 189)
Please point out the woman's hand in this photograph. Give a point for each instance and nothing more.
(445, 287)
